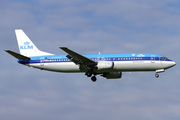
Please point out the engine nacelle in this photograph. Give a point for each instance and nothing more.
(112, 75)
(105, 65)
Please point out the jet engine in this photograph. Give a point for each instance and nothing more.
(105, 65)
(112, 75)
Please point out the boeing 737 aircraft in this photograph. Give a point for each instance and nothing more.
(109, 66)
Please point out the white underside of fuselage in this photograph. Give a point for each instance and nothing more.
(119, 66)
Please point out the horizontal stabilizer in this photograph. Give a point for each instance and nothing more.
(17, 55)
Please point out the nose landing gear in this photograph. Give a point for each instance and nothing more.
(158, 71)
(156, 75)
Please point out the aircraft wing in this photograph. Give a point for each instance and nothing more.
(79, 59)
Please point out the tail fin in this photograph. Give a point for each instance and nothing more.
(26, 46)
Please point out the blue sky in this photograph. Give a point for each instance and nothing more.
(89, 27)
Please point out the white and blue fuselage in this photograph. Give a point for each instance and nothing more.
(121, 62)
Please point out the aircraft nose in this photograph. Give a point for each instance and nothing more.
(173, 63)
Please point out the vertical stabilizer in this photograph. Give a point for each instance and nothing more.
(26, 46)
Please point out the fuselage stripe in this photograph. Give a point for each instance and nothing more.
(46, 60)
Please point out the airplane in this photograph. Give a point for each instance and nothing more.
(109, 66)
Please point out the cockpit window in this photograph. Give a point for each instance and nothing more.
(163, 58)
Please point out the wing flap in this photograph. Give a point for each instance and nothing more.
(17, 55)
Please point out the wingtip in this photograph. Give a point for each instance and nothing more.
(18, 29)
(62, 47)
(6, 50)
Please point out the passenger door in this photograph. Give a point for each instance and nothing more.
(42, 62)
(152, 58)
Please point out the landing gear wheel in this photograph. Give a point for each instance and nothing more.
(156, 75)
(89, 74)
(93, 78)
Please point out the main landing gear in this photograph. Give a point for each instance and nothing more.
(89, 74)
(93, 78)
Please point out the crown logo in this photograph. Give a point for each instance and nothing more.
(140, 55)
(133, 55)
(26, 43)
